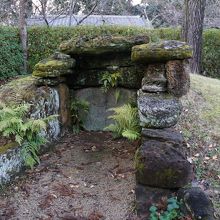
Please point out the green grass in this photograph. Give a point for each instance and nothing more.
(200, 125)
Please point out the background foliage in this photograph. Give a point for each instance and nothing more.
(43, 41)
(10, 52)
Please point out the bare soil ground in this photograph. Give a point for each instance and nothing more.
(87, 176)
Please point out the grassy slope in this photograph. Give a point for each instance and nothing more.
(200, 124)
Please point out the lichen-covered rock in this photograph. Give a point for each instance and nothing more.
(178, 77)
(196, 203)
(162, 165)
(101, 44)
(55, 66)
(158, 110)
(161, 52)
(154, 78)
(11, 163)
(129, 77)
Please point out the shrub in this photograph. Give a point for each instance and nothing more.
(10, 53)
(43, 41)
(211, 53)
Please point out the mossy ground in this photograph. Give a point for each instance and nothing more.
(200, 124)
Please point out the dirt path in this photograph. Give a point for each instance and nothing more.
(87, 175)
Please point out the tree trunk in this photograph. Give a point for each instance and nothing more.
(23, 32)
(192, 31)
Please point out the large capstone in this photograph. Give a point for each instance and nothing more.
(55, 66)
(177, 73)
(158, 110)
(161, 52)
(155, 78)
(101, 44)
(161, 164)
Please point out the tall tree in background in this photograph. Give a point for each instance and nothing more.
(23, 31)
(192, 31)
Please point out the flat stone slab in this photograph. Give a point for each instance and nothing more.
(166, 135)
(99, 104)
(162, 165)
(158, 110)
(101, 44)
(54, 66)
(161, 52)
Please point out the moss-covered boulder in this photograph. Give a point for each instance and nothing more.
(158, 110)
(161, 52)
(162, 165)
(55, 66)
(101, 44)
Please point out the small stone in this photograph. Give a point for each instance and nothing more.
(161, 164)
(158, 110)
(177, 73)
(196, 203)
(154, 79)
(161, 52)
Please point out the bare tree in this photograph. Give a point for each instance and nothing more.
(23, 31)
(192, 31)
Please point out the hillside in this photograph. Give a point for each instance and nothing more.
(200, 124)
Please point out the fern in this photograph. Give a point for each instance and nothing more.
(25, 131)
(79, 110)
(126, 122)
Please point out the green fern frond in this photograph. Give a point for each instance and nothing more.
(126, 122)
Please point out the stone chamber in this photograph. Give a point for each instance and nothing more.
(154, 75)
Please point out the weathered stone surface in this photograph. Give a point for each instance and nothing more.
(107, 61)
(146, 197)
(161, 164)
(64, 110)
(154, 78)
(100, 102)
(101, 44)
(178, 77)
(161, 52)
(158, 110)
(55, 66)
(11, 163)
(164, 135)
(50, 81)
(196, 203)
(130, 77)
(44, 102)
